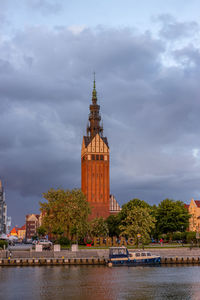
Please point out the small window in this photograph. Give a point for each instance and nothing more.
(97, 157)
(93, 157)
(137, 254)
(148, 254)
(101, 157)
(143, 254)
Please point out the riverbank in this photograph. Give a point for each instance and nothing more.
(96, 253)
(91, 257)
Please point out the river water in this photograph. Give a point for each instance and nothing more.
(100, 283)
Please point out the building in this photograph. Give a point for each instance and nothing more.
(194, 211)
(33, 221)
(22, 232)
(114, 206)
(3, 211)
(19, 232)
(14, 231)
(8, 225)
(95, 173)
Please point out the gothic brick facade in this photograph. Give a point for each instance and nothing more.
(95, 174)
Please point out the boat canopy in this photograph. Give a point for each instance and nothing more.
(118, 252)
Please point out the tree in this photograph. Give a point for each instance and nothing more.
(132, 204)
(113, 222)
(41, 231)
(65, 212)
(98, 227)
(138, 221)
(171, 216)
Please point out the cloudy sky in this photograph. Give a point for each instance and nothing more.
(146, 55)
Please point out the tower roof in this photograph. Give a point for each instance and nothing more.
(94, 125)
(94, 92)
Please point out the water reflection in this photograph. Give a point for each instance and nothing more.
(100, 282)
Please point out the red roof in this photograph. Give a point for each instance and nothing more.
(23, 227)
(14, 230)
(197, 203)
(186, 206)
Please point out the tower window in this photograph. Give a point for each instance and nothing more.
(97, 157)
(101, 157)
(93, 157)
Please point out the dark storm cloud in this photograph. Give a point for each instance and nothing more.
(173, 29)
(150, 113)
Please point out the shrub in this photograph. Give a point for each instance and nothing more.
(191, 237)
(2, 243)
(179, 236)
(64, 241)
(163, 236)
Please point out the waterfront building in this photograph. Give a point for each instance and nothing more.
(14, 231)
(22, 232)
(95, 157)
(19, 232)
(3, 211)
(194, 211)
(33, 221)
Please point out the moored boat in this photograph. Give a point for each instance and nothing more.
(120, 256)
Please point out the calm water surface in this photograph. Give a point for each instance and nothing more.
(100, 283)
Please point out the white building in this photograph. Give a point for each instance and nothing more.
(3, 212)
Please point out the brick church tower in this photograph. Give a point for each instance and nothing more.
(95, 178)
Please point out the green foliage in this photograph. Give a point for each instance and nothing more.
(138, 221)
(171, 216)
(2, 243)
(57, 231)
(164, 236)
(98, 227)
(190, 237)
(65, 212)
(64, 241)
(113, 222)
(34, 237)
(178, 236)
(41, 231)
(131, 205)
